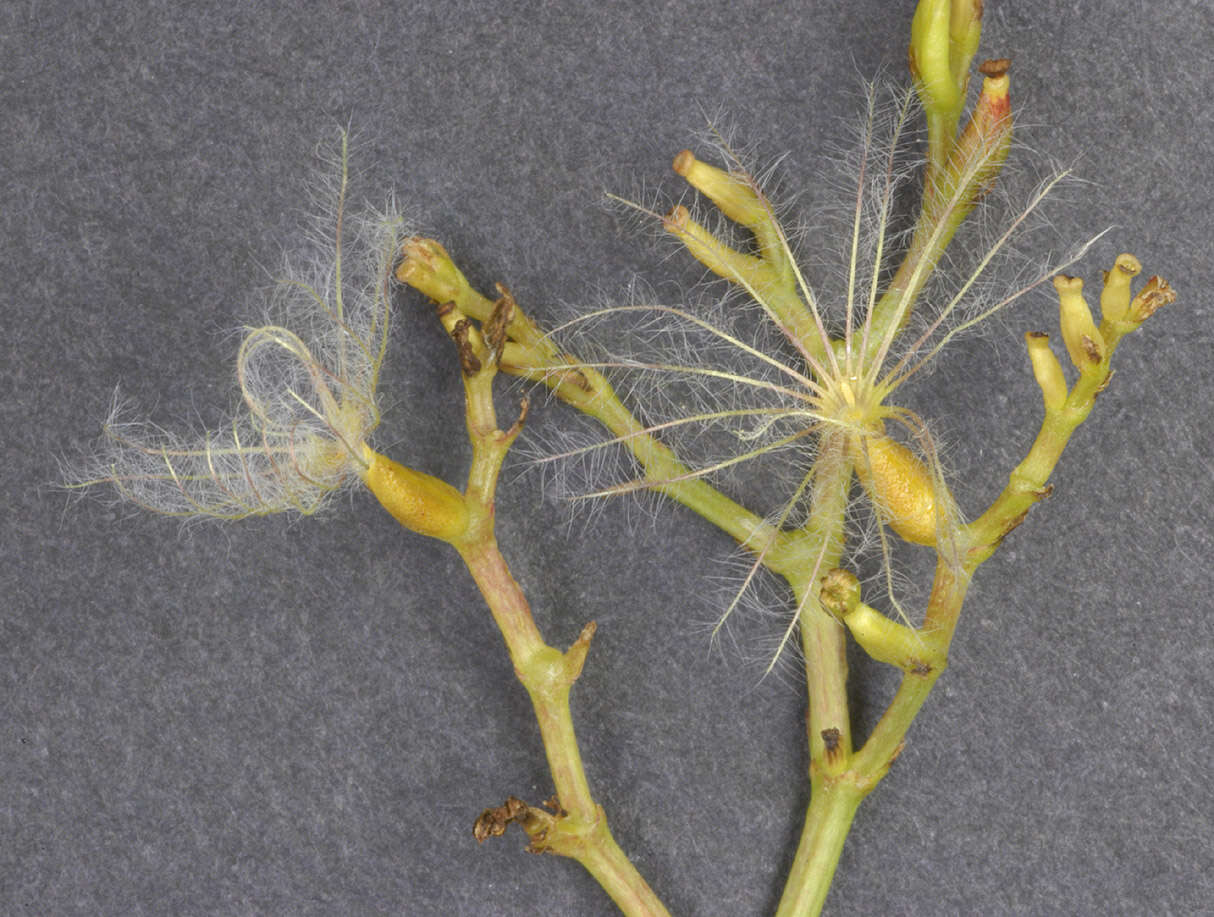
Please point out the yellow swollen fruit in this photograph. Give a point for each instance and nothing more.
(418, 501)
(899, 484)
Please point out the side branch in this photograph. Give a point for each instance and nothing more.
(529, 354)
(1090, 349)
(576, 825)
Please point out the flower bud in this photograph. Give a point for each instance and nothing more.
(736, 199)
(426, 266)
(980, 150)
(886, 640)
(883, 639)
(1115, 297)
(1046, 369)
(944, 37)
(716, 255)
(1079, 332)
(418, 501)
(983, 145)
(900, 484)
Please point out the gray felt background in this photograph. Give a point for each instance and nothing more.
(305, 718)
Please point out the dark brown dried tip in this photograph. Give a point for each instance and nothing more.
(468, 361)
(495, 329)
(683, 162)
(831, 742)
(493, 822)
(1154, 295)
(995, 68)
(1039, 334)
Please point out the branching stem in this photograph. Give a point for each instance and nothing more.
(578, 826)
(840, 775)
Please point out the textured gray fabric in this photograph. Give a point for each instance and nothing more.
(306, 718)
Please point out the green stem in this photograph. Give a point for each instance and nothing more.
(581, 831)
(832, 803)
(832, 808)
(802, 557)
(428, 268)
(579, 828)
(670, 476)
(539, 667)
(825, 646)
(934, 230)
(1027, 484)
(841, 779)
(610, 866)
(883, 745)
(819, 546)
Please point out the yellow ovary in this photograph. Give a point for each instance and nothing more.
(418, 501)
(900, 485)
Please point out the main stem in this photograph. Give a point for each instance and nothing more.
(832, 802)
(833, 805)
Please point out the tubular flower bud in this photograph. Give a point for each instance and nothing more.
(1115, 297)
(741, 202)
(420, 502)
(1079, 332)
(883, 639)
(900, 484)
(944, 37)
(964, 32)
(715, 254)
(989, 131)
(736, 199)
(1046, 369)
(982, 147)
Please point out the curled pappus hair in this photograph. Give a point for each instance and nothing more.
(307, 381)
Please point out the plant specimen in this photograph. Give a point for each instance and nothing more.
(819, 396)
